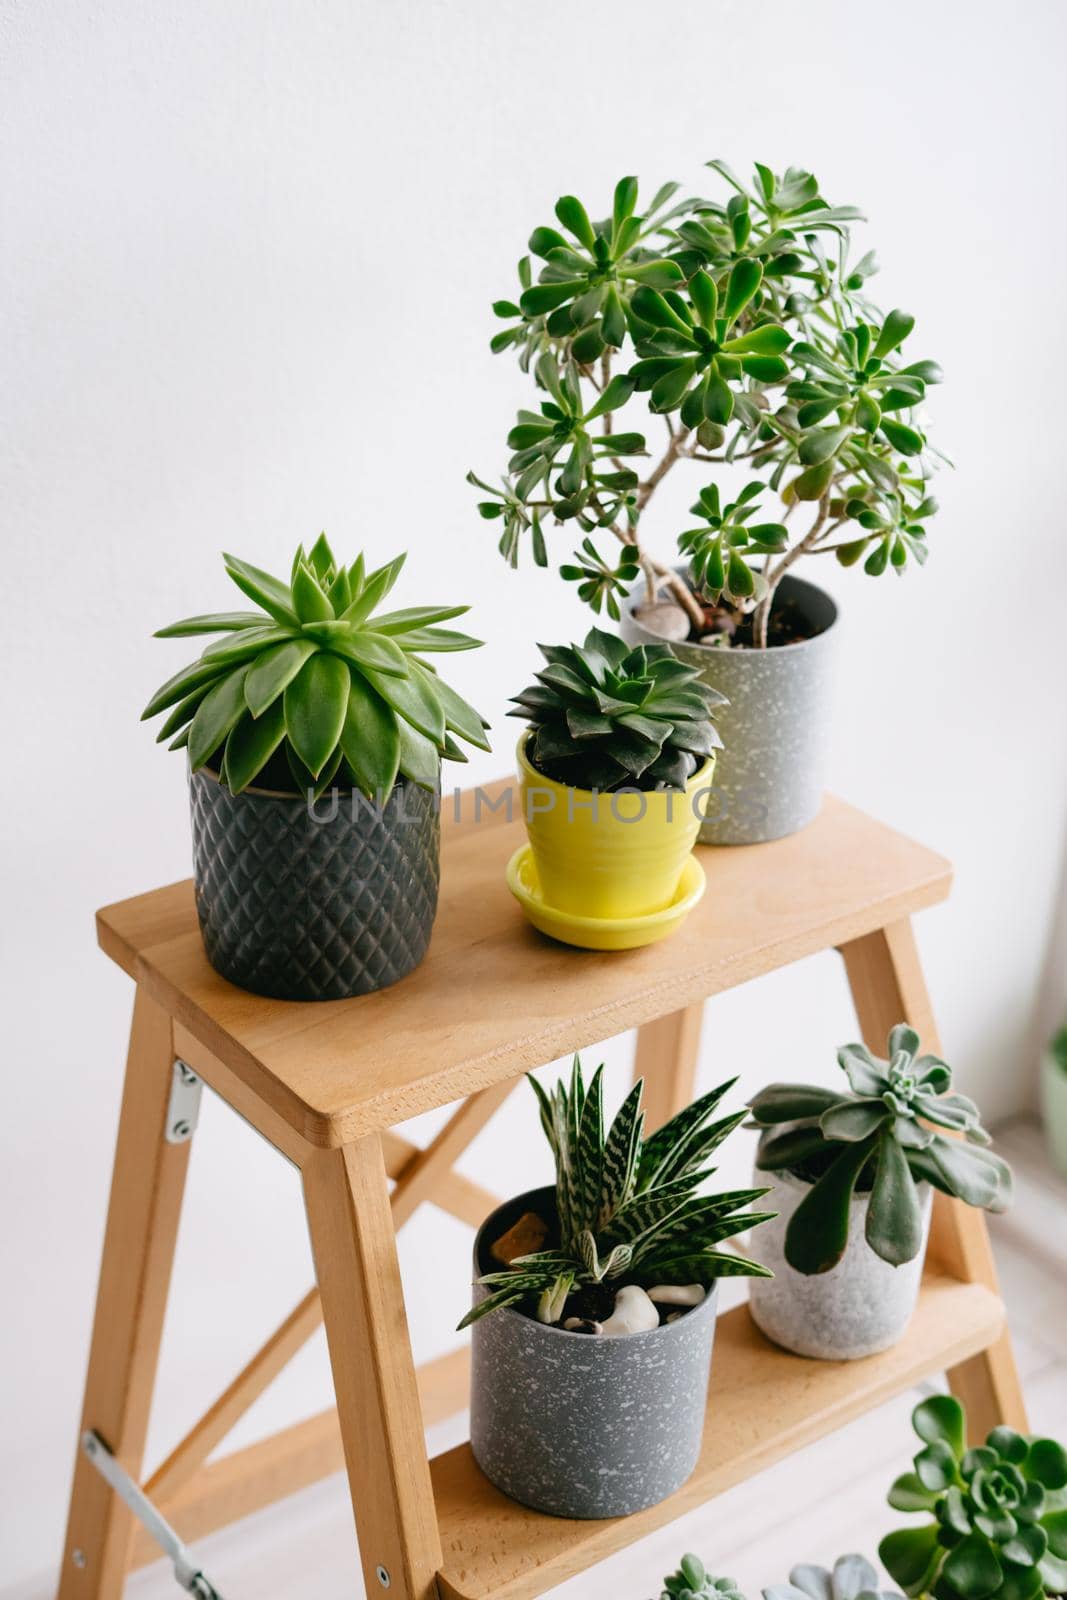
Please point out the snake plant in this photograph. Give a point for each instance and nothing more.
(317, 684)
(999, 1528)
(605, 717)
(877, 1137)
(627, 1207)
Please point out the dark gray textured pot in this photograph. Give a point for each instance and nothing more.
(314, 904)
(580, 1426)
(769, 775)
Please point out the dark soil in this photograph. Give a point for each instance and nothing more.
(787, 625)
(594, 1301)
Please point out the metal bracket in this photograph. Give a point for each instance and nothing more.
(186, 1572)
(183, 1108)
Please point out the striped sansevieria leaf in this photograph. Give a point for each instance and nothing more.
(627, 1208)
(317, 686)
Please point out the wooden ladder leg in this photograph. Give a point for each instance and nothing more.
(887, 986)
(666, 1057)
(142, 1226)
(354, 1246)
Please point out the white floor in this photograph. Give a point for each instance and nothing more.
(817, 1504)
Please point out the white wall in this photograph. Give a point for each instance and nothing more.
(249, 250)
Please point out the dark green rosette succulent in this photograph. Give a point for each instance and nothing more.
(317, 686)
(629, 1208)
(881, 1137)
(999, 1528)
(605, 717)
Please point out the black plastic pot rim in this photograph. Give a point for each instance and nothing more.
(550, 1328)
(771, 649)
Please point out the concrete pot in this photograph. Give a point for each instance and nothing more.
(859, 1307)
(313, 903)
(769, 777)
(582, 1426)
(1054, 1109)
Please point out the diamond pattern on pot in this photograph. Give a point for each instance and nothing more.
(314, 907)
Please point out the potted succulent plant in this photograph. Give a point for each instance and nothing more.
(316, 690)
(999, 1513)
(594, 1307)
(853, 1178)
(615, 770)
(1054, 1097)
(745, 326)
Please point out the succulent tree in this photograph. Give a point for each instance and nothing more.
(628, 1208)
(853, 1578)
(605, 717)
(317, 685)
(743, 323)
(999, 1513)
(880, 1135)
(693, 1581)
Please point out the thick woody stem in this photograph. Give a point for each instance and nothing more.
(647, 489)
(774, 575)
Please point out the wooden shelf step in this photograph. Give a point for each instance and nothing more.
(763, 1405)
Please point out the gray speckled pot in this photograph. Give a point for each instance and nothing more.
(857, 1308)
(320, 904)
(769, 775)
(580, 1426)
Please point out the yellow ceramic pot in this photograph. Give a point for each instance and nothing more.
(610, 855)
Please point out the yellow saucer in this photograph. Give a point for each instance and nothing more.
(601, 933)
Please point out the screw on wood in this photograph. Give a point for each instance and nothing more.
(383, 1577)
(78, 1558)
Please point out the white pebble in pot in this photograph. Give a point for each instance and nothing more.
(677, 1294)
(633, 1313)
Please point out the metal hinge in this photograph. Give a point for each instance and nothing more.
(186, 1572)
(183, 1108)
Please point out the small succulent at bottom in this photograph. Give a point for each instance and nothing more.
(878, 1138)
(605, 717)
(693, 1581)
(999, 1529)
(853, 1578)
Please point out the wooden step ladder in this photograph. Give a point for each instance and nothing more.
(326, 1085)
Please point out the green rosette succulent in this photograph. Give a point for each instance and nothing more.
(317, 685)
(628, 1208)
(999, 1528)
(605, 717)
(853, 1578)
(693, 1581)
(878, 1138)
